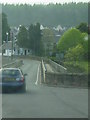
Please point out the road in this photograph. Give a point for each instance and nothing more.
(41, 101)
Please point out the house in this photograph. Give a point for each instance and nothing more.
(9, 48)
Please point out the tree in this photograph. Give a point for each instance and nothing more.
(31, 43)
(48, 40)
(85, 43)
(83, 27)
(89, 29)
(37, 35)
(5, 27)
(48, 15)
(70, 38)
(75, 53)
(55, 51)
(35, 42)
(22, 37)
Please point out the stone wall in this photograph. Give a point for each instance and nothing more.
(67, 79)
(63, 78)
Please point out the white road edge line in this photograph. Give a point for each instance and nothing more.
(37, 75)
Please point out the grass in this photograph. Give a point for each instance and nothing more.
(77, 66)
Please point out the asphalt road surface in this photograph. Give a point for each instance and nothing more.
(41, 101)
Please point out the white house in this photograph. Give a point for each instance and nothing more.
(9, 49)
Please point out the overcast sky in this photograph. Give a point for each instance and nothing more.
(40, 1)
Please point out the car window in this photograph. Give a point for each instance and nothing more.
(11, 72)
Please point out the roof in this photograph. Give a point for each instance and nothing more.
(10, 68)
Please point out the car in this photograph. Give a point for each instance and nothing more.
(12, 79)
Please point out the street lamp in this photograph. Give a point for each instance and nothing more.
(7, 44)
(7, 37)
(11, 36)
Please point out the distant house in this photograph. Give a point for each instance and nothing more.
(58, 31)
(23, 51)
(8, 49)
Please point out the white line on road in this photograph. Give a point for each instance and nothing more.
(37, 75)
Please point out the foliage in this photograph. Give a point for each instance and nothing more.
(85, 43)
(70, 39)
(53, 58)
(75, 53)
(77, 66)
(75, 45)
(89, 49)
(22, 37)
(34, 41)
(48, 40)
(83, 27)
(5, 27)
(68, 14)
(31, 38)
(55, 50)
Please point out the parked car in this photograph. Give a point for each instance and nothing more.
(12, 79)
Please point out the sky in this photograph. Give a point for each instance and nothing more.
(40, 1)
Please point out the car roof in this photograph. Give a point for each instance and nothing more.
(10, 68)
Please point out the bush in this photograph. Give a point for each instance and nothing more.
(75, 53)
(77, 66)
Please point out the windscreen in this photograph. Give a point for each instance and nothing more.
(11, 73)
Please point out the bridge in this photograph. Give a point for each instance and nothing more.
(42, 100)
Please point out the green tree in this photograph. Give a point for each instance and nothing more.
(83, 27)
(22, 37)
(48, 15)
(70, 38)
(85, 44)
(48, 40)
(55, 50)
(5, 28)
(35, 42)
(31, 43)
(75, 53)
(37, 35)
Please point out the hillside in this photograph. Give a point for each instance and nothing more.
(68, 15)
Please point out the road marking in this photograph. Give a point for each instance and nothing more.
(37, 75)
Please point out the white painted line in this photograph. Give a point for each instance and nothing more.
(37, 75)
